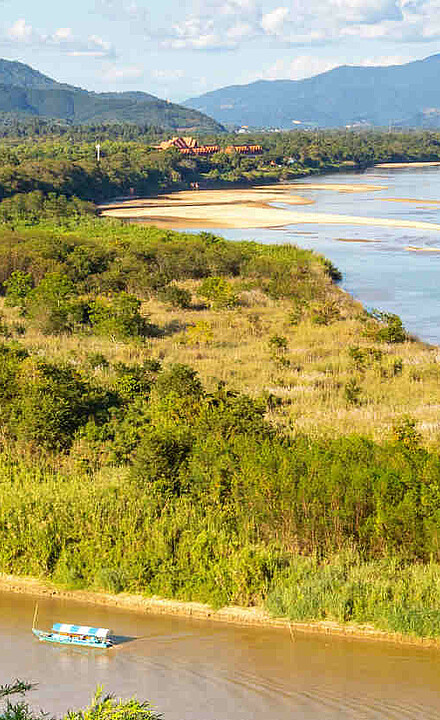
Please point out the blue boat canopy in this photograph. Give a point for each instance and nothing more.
(99, 633)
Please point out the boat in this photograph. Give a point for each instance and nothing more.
(75, 635)
(81, 635)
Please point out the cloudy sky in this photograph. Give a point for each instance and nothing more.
(178, 49)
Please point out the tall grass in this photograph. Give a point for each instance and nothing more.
(388, 594)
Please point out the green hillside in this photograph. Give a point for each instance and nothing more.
(27, 92)
(402, 95)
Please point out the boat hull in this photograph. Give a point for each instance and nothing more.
(71, 641)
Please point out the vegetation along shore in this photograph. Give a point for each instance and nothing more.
(206, 421)
(102, 705)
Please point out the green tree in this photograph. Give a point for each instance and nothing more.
(51, 304)
(175, 296)
(219, 292)
(119, 317)
(18, 286)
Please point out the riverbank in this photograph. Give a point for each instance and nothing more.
(254, 616)
(253, 208)
(391, 165)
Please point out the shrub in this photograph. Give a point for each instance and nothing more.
(278, 345)
(404, 432)
(391, 328)
(219, 292)
(179, 379)
(18, 286)
(119, 317)
(352, 392)
(50, 303)
(201, 332)
(175, 296)
(325, 314)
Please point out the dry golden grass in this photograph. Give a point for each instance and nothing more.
(307, 381)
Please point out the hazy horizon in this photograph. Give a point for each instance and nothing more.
(180, 50)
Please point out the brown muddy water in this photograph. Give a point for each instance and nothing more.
(198, 670)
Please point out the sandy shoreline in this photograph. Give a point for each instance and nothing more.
(243, 209)
(230, 614)
(391, 165)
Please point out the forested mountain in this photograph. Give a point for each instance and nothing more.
(402, 95)
(26, 91)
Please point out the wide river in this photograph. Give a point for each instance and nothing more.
(200, 670)
(377, 266)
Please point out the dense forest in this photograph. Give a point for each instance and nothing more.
(52, 157)
(137, 455)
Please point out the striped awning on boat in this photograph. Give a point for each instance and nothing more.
(101, 633)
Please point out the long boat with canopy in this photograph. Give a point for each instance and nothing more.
(82, 635)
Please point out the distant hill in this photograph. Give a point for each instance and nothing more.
(402, 95)
(25, 91)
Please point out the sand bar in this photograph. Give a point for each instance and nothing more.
(414, 248)
(225, 211)
(264, 194)
(412, 200)
(391, 165)
(236, 615)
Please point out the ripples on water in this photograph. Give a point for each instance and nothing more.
(195, 670)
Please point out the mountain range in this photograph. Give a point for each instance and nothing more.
(27, 92)
(399, 95)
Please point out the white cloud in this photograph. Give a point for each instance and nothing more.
(20, 31)
(129, 11)
(124, 73)
(167, 75)
(302, 66)
(274, 22)
(384, 60)
(62, 39)
(305, 66)
(366, 10)
(214, 24)
(62, 34)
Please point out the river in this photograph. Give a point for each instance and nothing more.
(378, 268)
(201, 670)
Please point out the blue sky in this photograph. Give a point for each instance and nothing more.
(181, 49)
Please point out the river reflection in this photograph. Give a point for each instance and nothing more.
(198, 670)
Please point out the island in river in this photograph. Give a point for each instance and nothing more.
(252, 208)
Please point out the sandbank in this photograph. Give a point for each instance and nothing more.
(243, 214)
(247, 208)
(412, 200)
(232, 614)
(414, 248)
(391, 165)
(263, 194)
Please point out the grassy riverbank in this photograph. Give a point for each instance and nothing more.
(230, 614)
(177, 420)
